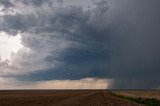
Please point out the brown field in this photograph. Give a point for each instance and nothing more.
(143, 94)
(61, 98)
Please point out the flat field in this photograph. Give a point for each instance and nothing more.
(61, 98)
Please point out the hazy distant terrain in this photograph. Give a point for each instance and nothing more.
(61, 98)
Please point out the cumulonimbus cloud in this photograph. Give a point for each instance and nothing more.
(117, 41)
(59, 38)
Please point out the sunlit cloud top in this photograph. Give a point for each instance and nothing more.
(9, 44)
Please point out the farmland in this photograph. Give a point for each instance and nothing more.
(61, 98)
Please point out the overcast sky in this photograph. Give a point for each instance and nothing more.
(79, 44)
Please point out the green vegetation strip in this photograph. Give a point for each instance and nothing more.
(144, 101)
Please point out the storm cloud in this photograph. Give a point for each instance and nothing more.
(117, 40)
(136, 59)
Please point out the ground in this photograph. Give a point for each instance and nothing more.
(61, 98)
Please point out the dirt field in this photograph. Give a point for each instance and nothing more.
(61, 98)
(142, 94)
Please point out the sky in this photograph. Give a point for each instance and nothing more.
(79, 44)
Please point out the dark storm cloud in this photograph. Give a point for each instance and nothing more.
(119, 41)
(39, 3)
(88, 53)
(34, 2)
(6, 3)
(78, 40)
(137, 57)
(12, 3)
(12, 24)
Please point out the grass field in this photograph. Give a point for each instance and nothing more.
(61, 98)
(143, 94)
(148, 98)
